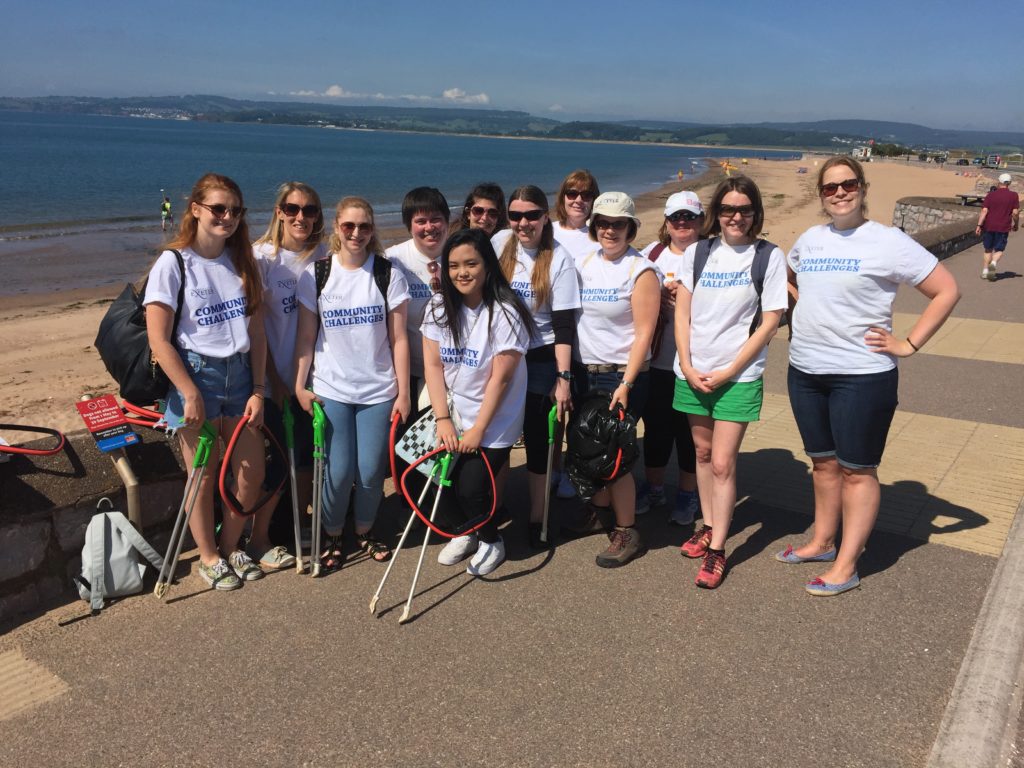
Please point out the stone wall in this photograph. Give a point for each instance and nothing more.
(940, 224)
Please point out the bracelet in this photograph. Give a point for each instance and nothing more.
(259, 387)
(260, 395)
(442, 418)
(912, 344)
(627, 384)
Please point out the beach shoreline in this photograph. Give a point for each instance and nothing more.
(47, 361)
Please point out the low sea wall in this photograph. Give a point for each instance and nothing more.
(940, 224)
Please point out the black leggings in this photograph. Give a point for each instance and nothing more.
(664, 425)
(535, 432)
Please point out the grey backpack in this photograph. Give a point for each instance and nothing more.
(110, 558)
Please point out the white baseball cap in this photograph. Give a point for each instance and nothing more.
(614, 205)
(684, 201)
(1005, 178)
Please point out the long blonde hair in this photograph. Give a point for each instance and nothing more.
(275, 229)
(373, 245)
(540, 281)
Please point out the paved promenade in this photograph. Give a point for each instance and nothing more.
(555, 662)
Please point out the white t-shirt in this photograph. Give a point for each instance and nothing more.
(724, 305)
(847, 282)
(576, 241)
(353, 361)
(565, 286)
(213, 320)
(604, 329)
(280, 318)
(413, 266)
(467, 370)
(668, 266)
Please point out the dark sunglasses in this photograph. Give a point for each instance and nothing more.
(617, 224)
(435, 280)
(479, 211)
(292, 209)
(533, 215)
(349, 227)
(680, 216)
(731, 210)
(220, 211)
(572, 194)
(848, 185)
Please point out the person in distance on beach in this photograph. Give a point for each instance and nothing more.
(484, 209)
(293, 239)
(353, 347)
(723, 325)
(842, 361)
(475, 333)
(572, 210)
(216, 361)
(166, 217)
(663, 424)
(543, 275)
(425, 214)
(620, 296)
(1000, 212)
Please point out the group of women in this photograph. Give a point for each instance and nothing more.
(515, 309)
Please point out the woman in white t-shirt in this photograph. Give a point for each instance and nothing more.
(723, 327)
(842, 361)
(620, 295)
(216, 360)
(294, 238)
(663, 424)
(475, 333)
(352, 346)
(543, 275)
(576, 197)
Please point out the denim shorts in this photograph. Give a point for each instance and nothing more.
(844, 415)
(225, 384)
(994, 241)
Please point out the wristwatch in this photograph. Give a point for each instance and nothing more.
(567, 375)
(628, 384)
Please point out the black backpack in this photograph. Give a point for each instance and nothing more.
(123, 344)
(601, 444)
(381, 276)
(762, 252)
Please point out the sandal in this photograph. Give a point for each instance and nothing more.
(375, 548)
(331, 557)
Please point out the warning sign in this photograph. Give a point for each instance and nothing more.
(105, 420)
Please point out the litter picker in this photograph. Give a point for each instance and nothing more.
(552, 421)
(319, 461)
(207, 435)
(288, 417)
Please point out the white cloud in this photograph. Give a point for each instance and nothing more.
(336, 91)
(556, 108)
(459, 96)
(448, 96)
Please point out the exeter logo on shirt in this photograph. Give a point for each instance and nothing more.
(344, 316)
(287, 284)
(200, 293)
(460, 356)
(221, 312)
(828, 264)
(723, 279)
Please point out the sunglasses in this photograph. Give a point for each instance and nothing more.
(480, 212)
(435, 279)
(572, 194)
(680, 216)
(728, 211)
(533, 215)
(349, 227)
(618, 224)
(220, 211)
(292, 209)
(848, 185)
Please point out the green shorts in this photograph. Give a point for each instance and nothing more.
(735, 401)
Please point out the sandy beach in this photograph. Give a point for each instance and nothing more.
(47, 361)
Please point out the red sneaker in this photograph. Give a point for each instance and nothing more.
(711, 572)
(697, 545)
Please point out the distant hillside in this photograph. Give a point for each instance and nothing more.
(911, 134)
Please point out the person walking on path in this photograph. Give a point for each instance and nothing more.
(842, 361)
(1000, 212)
(724, 321)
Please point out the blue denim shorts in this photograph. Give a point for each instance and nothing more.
(994, 241)
(844, 415)
(224, 382)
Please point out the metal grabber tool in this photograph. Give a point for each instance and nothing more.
(207, 435)
(552, 421)
(288, 417)
(439, 477)
(319, 462)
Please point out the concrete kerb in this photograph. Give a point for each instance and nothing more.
(980, 720)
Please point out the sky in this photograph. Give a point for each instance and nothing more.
(932, 63)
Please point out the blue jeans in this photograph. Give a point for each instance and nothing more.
(356, 438)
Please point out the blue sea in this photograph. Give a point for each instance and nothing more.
(65, 174)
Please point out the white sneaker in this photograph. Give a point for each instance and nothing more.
(984, 274)
(993, 270)
(458, 549)
(487, 558)
(565, 488)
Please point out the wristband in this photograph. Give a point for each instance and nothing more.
(912, 344)
(258, 394)
(442, 418)
(628, 385)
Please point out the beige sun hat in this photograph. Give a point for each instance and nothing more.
(614, 205)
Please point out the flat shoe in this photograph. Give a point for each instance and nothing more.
(789, 556)
(822, 589)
